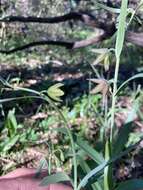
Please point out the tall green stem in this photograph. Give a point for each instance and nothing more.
(118, 49)
(70, 136)
(114, 97)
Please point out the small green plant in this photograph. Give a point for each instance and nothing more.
(13, 133)
(10, 128)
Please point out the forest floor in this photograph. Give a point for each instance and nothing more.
(39, 76)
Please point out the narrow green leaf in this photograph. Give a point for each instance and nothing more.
(99, 168)
(92, 153)
(122, 138)
(10, 143)
(140, 75)
(92, 173)
(17, 98)
(121, 28)
(55, 178)
(86, 169)
(134, 184)
(9, 99)
(11, 123)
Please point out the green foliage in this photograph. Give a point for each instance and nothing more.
(121, 29)
(55, 178)
(122, 138)
(14, 134)
(140, 75)
(92, 153)
(86, 169)
(11, 123)
(134, 137)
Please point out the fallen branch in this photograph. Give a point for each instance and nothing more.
(132, 37)
(68, 45)
(85, 17)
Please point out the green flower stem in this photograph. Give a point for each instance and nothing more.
(114, 97)
(70, 136)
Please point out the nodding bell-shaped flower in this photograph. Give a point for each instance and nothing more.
(101, 87)
(55, 92)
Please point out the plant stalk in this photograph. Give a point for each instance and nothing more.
(71, 139)
(114, 97)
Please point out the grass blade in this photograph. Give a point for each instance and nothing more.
(55, 178)
(92, 173)
(122, 138)
(140, 75)
(92, 153)
(121, 29)
(99, 168)
(86, 169)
